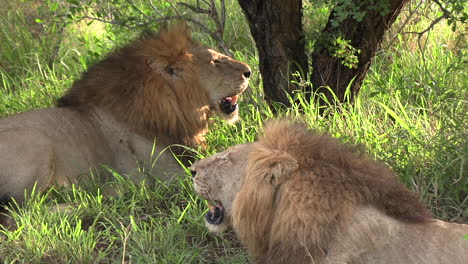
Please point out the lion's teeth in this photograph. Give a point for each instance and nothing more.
(234, 99)
(211, 207)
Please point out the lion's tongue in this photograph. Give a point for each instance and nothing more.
(215, 215)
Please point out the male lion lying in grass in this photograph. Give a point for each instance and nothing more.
(298, 196)
(161, 88)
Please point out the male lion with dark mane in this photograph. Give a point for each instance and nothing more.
(299, 196)
(162, 88)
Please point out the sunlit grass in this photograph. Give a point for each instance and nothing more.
(139, 224)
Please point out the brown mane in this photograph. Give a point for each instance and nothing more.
(300, 196)
(364, 180)
(126, 84)
(302, 186)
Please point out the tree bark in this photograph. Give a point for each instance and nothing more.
(365, 36)
(276, 26)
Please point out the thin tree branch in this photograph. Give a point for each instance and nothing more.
(174, 8)
(446, 14)
(211, 11)
(433, 23)
(130, 2)
(444, 10)
(112, 22)
(203, 27)
(421, 49)
(154, 8)
(223, 14)
(196, 9)
(398, 31)
(214, 15)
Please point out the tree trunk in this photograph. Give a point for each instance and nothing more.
(276, 26)
(365, 36)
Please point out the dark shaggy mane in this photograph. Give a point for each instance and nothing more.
(346, 169)
(134, 85)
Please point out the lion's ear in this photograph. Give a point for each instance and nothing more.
(277, 165)
(159, 67)
(281, 168)
(153, 63)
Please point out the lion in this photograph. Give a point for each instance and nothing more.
(160, 90)
(300, 196)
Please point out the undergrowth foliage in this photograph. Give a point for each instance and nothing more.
(411, 114)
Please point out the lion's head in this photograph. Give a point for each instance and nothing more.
(293, 187)
(218, 179)
(163, 84)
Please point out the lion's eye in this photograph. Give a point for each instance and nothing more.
(215, 61)
(170, 70)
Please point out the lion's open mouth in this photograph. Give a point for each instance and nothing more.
(229, 104)
(215, 215)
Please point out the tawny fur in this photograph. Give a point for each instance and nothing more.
(126, 85)
(331, 179)
(299, 196)
(157, 91)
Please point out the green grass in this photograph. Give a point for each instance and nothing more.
(140, 225)
(411, 113)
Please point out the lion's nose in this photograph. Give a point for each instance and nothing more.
(193, 173)
(247, 74)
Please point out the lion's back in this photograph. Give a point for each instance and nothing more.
(371, 236)
(67, 137)
(62, 125)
